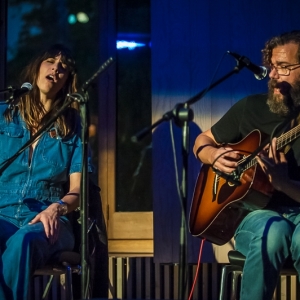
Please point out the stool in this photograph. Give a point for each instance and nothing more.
(235, 268)
(68, 262)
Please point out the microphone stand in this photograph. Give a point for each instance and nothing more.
(82, 100)
(84, 179)
(182, 114)
(9, 89)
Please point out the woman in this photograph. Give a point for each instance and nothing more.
(33, 205)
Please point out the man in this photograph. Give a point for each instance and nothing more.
(267, 237)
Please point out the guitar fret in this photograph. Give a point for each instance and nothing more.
(287, 137)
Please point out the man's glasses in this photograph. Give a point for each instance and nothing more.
(284, 70)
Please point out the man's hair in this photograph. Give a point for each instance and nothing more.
(280, 40)
(30, 107)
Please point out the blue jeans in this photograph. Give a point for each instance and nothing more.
(267, 238)
(23, 250)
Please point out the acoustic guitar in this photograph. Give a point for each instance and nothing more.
(218, 205)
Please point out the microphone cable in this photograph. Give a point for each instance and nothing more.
(197, 270)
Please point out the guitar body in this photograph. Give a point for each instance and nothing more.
(218, 206)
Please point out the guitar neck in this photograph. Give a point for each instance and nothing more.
(282, 141)
(288, 137)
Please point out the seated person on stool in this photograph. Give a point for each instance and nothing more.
(268, 236)
(33, 204)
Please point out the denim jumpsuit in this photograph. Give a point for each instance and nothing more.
(26, 188)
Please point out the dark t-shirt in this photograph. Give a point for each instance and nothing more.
(249, 114)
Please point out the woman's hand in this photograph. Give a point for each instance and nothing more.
(50, 216)
(50, 219)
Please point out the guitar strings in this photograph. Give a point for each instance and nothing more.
(288, 137)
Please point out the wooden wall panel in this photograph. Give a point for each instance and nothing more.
(189, 42)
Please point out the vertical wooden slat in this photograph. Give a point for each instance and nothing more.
(176, 281)
(289, 287)
(119, 278)
(215, 275)
(192, 278)
(140, 277)
(293, 285)
(149, 278)
(198, 286)
(110, 275)
(130, 278)
(205, 281)
(157, 280)
(167, 282)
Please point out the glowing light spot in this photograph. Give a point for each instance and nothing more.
(82, 17)
(130, 45)
(72, 19)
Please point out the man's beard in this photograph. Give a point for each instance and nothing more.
(281, 104)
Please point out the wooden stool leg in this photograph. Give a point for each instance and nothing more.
(226, 271)
(234, 284)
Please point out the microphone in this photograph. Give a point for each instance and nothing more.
(260, 72)
(26, 87)
(13, 100)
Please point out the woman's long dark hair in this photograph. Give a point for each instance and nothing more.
(30, 107)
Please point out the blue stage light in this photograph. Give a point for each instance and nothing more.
(129, 44)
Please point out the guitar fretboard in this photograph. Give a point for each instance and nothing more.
(288, 137)
(282, 141)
